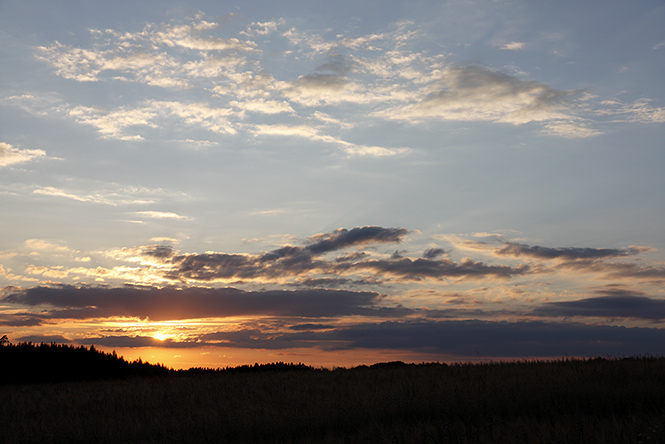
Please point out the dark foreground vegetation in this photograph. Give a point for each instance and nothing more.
(564, 401)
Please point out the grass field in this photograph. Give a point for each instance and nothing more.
(566, 401)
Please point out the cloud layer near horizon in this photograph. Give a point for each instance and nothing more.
(326, 310)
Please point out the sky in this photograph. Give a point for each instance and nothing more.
(213, 184)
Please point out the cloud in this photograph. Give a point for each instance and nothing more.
(475, 93)
(432, 253)
(44, 245)
(570, 129)
(314, 262)
(46, 339)
(323, 88)
(446, 339)
(162, 304)
(505, 339)
(122, 196)
(419, 269)
(343, 238)
(610, 262)
(512, 46)
(10, 155)
(582, 259)
(291, 261)
(263, 28)
(568, 253)
(379, 75)
(312, 133)
(113, 125)
(7, 273)
(159, 215)
(121, 123)
(144, 56)
(616, 304)
(19, 320)
(264, 106)
(640, 111)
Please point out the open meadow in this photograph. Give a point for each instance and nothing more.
(565, 401)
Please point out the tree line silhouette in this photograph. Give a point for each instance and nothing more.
(26, 362)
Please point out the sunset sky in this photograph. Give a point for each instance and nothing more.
(210, 183)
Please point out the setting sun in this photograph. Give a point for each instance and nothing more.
(160, 336)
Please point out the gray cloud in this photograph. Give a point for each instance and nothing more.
(19, 320)
(173, 303)
(614, 304)
(343, 238)
(584, 259)
(448, 339)
(47, 339)
(133, 342)
(506, 339)
(418, 269)
(432, 253)
(568, 253)
(476, 93)
(291, 261)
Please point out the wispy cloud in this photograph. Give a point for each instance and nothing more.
(10, 155)
(474, 93)
(119, 196)
(159, 215)
(379, 74)
(110, 194)
(512, 46)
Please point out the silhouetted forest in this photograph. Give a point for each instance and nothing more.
(568, 400)
(26, 362)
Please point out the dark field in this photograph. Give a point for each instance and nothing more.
(567, 401)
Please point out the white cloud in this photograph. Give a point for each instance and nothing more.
(640, 111)
(212, 118)
(264, 106)
(377, 75)
(169, 240)
(117, 124)
(570, 129)
(145, 56)
(44, 245)
(312, 133)
(512, 46)
(112, 125)
(275, 212)
(52, 191)
(477, 94)
(9, 155)
(159, 215)
(114, 197)
(263, 28)
(323, 117)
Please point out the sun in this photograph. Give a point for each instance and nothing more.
(159, 336)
